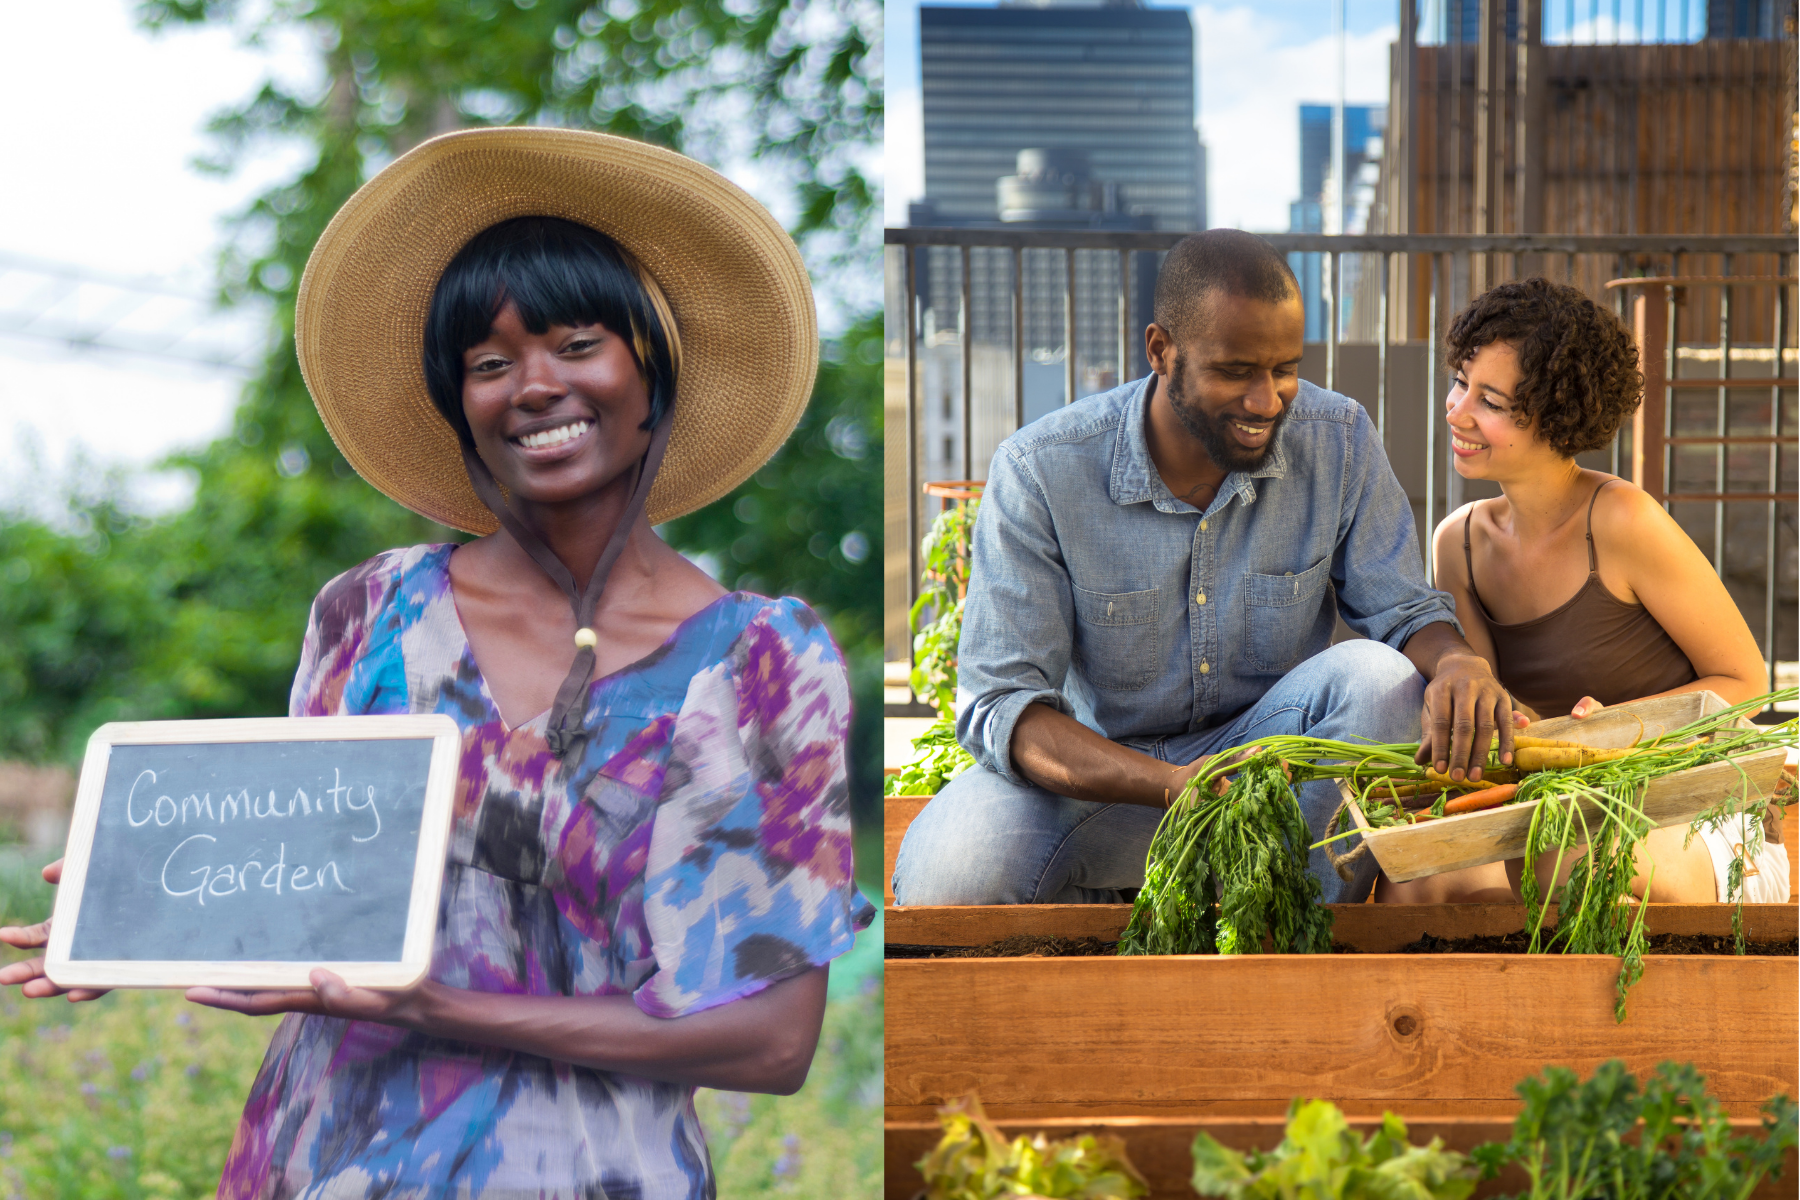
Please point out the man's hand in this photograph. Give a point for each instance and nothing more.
(1061, 755)
(1465, 706)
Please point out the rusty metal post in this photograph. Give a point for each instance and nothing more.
(966, 348)
(1722, 419)
(1490, 136)
(1381, 356)
(1433, 403)
(1649, 320)
(1018, 335)
(1529, 135)
(1771, 576)
(1328, 293)
(912, 426)
(1069, 327)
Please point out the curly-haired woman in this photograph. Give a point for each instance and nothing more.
(1574, 584)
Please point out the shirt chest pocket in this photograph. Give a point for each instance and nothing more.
(1115, 638)
(1282, 616)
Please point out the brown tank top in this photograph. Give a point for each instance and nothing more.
(1594, 645)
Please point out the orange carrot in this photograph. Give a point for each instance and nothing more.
(1476, 801)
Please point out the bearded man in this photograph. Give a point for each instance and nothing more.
(1155, 578)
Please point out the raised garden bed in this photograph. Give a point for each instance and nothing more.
(1429, 1035)
(1155, 1048)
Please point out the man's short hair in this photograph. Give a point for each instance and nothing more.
(1219, 260)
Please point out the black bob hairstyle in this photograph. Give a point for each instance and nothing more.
(558, 273)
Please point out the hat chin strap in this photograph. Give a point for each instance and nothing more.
(567, 728)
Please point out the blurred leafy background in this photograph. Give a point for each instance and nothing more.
(111, 615)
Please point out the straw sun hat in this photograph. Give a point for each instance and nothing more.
(733, 279)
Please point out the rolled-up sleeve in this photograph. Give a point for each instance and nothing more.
(1018, 617)
(1379, 576)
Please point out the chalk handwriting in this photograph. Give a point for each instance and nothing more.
(166, 810)
(230, 879)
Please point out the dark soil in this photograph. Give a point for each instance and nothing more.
(1020, 945)
(1660, 943)
(1025, 945)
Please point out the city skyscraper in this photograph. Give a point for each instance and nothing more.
(1364, 125)
(1113, 81)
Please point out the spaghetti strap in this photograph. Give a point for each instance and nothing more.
(1593, 563)
(1469, 557)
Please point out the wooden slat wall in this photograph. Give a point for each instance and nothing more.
(1653, 139)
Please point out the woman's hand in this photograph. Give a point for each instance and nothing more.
(329, 996)
(1587, 706)
(760, 1043)
(29, 974)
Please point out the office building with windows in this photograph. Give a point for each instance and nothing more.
(1047, 116)
(1364, 125)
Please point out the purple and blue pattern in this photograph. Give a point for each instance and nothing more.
(699, 851)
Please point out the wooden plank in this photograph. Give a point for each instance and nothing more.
(1790, 837)
(1435, 1034)
(897, 813)
(1161, 1148)
(1371, 928)
(1622, 725)
(977, 925)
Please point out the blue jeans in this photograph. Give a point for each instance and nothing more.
(983, 840)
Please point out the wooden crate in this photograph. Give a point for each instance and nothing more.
(1429, 1035)
(1790, 837)
(1471, 839)
(1160, 1148)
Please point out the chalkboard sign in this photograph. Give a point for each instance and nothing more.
(246, 853)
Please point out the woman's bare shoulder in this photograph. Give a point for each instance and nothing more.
(1628, 518)
(684, 586)
(1446, 541)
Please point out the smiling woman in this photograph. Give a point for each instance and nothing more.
(1575, 585)
(650, 865)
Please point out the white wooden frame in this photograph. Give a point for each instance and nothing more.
(1407, 852)
(428, 869)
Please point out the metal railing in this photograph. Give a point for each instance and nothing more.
(1389, 316)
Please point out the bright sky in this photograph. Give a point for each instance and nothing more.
(1256, 66)
(98, 177)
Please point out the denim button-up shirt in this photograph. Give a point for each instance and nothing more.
(1094, 590)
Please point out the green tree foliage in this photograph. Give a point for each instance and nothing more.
(200, 614)
(806, 525)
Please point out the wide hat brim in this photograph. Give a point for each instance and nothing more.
(733, 278)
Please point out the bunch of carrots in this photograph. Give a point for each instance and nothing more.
(1434, 795)
(1227, 866)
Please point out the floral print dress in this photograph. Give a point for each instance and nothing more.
(697, 852)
